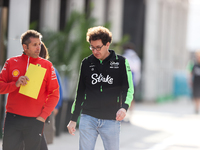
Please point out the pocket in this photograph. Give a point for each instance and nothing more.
(39, 122)
(39, 125)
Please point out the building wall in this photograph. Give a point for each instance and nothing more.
(133, 23)
(3, 29)
(165, 46)
(18, 23)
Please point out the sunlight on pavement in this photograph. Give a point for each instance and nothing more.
(173, 129)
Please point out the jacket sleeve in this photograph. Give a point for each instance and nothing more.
(6, 86)
(127, 86)
(79, 98)
(59, 104)
(52, 93)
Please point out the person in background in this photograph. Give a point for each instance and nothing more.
(25, 116)
(49, 128)
(195, 82)
(135, 65)
(104, 93)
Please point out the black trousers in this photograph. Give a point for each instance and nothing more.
(19, 129)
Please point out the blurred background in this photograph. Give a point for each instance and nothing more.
(166, 35)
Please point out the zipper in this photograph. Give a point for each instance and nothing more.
(27, 63)
(101, 63)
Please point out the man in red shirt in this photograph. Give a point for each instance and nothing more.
(25, 116)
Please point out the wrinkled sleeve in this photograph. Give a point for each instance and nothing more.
(6, 86)
(59, 104)
(53, 93)
(79, 98)
(127, 86)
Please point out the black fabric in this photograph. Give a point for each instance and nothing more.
(43, 143)
(196, 81)
(100, 85)
(19, 129)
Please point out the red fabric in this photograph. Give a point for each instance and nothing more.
(23, 105)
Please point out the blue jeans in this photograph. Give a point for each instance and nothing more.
(90, 128)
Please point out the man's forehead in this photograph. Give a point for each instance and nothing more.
(96, 42)
(35, 40)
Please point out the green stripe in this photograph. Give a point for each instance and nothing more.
(118, 99)
(116, 57)
(74, 103)
(100, 61)
(73, 107)
(130, 91)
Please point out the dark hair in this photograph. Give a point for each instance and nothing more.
(99, 33)
(44, 51)
(25, 37)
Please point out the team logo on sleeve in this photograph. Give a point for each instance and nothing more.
(15, 73)
(128, 68)
(53, 73)
(5, 65)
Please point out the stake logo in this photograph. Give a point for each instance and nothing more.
(114, 64)
(100, 78)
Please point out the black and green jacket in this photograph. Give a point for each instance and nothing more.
(104, 87)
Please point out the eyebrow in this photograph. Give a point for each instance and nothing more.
(96, 46)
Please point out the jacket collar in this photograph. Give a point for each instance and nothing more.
(31, 59)
(112, 57)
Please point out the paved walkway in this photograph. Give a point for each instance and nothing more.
(167, 126)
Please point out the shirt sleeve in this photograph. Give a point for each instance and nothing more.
(60, 90)
(6, 86)
(127, 86)
(79, 99)
(53, 93)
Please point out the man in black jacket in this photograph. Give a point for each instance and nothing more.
(104, 93)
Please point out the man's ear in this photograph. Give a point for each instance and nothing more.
(24, 46)
(108, 45)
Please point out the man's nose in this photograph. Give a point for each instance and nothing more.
(38, 47)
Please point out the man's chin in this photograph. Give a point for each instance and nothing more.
(36, 56)
(98, 57)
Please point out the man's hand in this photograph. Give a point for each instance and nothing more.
(40, 119)
(121, 114)
(71, 127)
(22, 81)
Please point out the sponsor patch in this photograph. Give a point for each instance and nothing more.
(114, 64)
(100, 78)
(15, 73)
(92, 66)
(53, 73)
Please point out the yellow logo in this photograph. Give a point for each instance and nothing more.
(15, 73)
